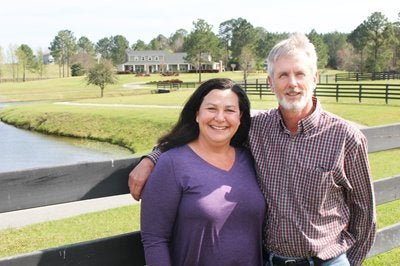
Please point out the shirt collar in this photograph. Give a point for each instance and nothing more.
(309, 122)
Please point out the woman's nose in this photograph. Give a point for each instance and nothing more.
(219, 116)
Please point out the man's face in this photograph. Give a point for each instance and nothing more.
(293, 83)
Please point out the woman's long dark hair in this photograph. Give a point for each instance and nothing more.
(187, 129)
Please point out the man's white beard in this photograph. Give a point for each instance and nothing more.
(296, 106)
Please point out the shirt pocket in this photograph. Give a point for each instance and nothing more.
(316, 190)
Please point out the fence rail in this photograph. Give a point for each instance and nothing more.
(358, 91)
(175, 85)
(47, 186)
(359, 76)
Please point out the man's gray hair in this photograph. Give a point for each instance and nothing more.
(290, 46)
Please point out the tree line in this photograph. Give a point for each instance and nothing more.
(374, 46)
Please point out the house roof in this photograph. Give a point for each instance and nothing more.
(170, 58)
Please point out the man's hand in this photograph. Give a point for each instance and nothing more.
(138, 177)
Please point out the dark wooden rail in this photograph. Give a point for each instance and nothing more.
(260, 87)
(359, 76)
(46, 186)
(385, 92)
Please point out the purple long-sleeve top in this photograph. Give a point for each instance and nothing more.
(193, 213)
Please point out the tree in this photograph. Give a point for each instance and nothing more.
(336, 42)
(320, 47)
(225, 35)
(85, 46)
(113, 48)
(395, 45)
(379, 35)
(201, 42)
(359, 39)
(62, 48)
(159, 43)
(264, 43)
(236, 34)
(1, 62)
(86, 53)
(100, 75)
(347, 58)
(77, 70)
(140, 46)
(103, 47)
(38, 66)
(119, 44)
(12, 60)
(247, 61)
(177, 40)
(25, 58)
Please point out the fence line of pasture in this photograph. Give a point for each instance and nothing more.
(361, 76)
(358, 91)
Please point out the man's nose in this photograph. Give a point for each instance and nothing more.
(292, 81)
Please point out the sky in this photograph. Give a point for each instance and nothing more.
(36, 23)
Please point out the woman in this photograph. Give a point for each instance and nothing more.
(202, 204)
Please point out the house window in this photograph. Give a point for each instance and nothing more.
(136, 58)
(149, 58)
(143, 58)
(156, 58)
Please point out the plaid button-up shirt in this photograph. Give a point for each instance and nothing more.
(317, 185)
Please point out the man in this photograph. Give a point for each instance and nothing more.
(312, 168)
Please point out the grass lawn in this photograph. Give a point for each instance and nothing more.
(138, 129)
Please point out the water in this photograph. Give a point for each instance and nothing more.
(21, 149)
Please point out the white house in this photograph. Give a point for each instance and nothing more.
(48, 59)
(151, 61)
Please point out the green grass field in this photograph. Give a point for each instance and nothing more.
(138, 129)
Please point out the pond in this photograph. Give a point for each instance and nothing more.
(22, 149)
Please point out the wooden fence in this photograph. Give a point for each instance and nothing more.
(47, 186)
(386, 92)
(175, 85)
(359, 76)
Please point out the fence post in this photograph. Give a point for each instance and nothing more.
(257, 86)
(337, 92)
(387, 93)
(360, 93)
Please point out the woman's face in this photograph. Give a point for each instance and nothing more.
(218, 117)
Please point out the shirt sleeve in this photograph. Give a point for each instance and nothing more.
(154, 155)
(362, 224)
(159, 205)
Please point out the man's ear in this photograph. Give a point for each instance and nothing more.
(271, 85)
(316, 76)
